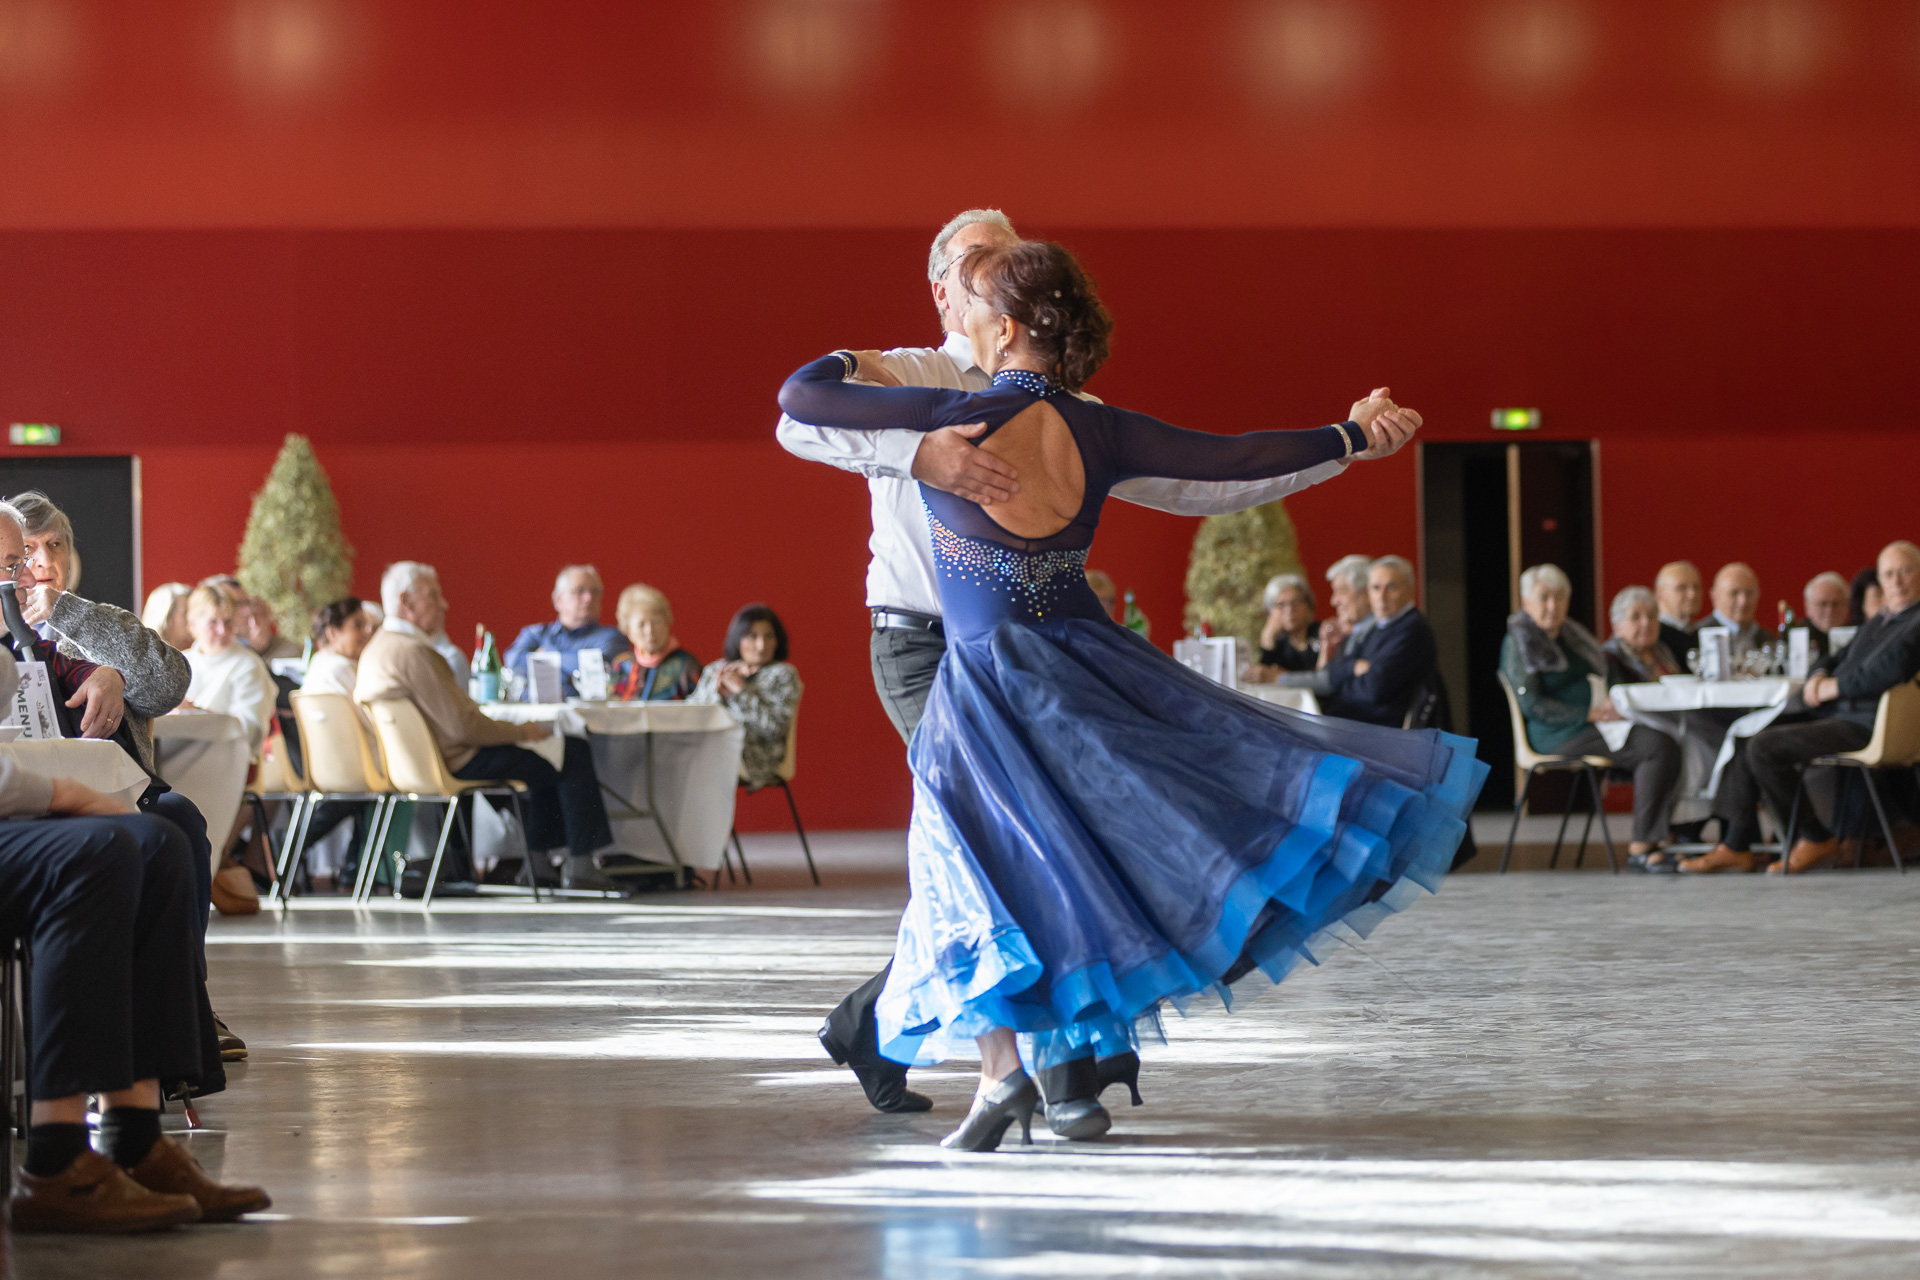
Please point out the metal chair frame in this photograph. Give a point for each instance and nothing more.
(1869, 760)
(1535, 763)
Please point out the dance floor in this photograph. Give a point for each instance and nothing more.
(1528, 1076)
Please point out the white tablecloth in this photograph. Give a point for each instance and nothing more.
(1279, 696)
(696, 767)
(95, 762)
(1706, 741)
(203, 755)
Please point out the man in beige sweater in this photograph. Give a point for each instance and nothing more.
(563, 805)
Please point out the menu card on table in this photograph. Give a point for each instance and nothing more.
(543, 677)
(32, 707)
(1716, 653)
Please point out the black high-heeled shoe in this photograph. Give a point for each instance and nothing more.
(993, 1112)
(1121, 1068)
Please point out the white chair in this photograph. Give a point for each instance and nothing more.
(417, 773)
(341, 765)
(1529, 764)
(275, 778)
(783, 778)
(1895, 745)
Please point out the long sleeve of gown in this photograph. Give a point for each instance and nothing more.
(818, 393)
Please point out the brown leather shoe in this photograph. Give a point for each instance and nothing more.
(1718, 858)
(171, 1170)
(95, 1196)
(1806, 855)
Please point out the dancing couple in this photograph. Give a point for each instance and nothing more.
(1096, 830)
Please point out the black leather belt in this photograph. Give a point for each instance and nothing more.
(907, 620)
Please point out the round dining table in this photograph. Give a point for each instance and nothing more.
(1707, 718)
(99, 763)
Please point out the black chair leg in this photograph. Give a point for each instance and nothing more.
(794, 809)
(1586, 827)
(1886, 828)
(741, 852)
(1566, 815)
(1519, 806)
(1596, 787)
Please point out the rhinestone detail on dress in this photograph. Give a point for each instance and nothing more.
(1036, 579)
(1038, 384)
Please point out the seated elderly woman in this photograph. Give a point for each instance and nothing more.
(1635, 652)
(165, 613)
(1557, 669)
(1290, 640)
(759, 686)
(656, 669)
(228, 677)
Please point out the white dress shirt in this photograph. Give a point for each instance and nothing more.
(901, 574)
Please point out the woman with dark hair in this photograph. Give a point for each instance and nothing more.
(341, 631)
(1864, 600)
(759, 686)
(1097, 829)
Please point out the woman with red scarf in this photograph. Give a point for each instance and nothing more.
(657, 669)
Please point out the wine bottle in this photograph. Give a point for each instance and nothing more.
(1134, 619)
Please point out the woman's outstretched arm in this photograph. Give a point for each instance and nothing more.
(1146, 446)
(819, 393)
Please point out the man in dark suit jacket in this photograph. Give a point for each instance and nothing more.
(1840, 701)
(1677, 590)
(1387, 666)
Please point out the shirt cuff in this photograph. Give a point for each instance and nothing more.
(894, 451)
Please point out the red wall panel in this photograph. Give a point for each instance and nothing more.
(501, 403)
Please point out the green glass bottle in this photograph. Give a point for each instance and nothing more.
(1134, 620)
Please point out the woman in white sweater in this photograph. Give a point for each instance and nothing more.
(228, 677)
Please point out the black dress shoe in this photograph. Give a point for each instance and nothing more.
(883, 1079)
(1119, 1068)
(1071, 1093)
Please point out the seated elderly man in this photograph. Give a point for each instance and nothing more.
(423, 580)
(1826, 599)
(1736, 598)
(1677, 590)
(1347, 593)
(577, 594)
(1385, 666)
(1838, 704)
(1553, 665)
(107, 901)
(563, 807)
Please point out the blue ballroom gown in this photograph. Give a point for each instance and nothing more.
(1098, 831)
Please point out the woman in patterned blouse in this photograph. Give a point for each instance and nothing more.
(657, 669)
(757, 684)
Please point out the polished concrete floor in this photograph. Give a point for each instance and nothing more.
(1527, 1076)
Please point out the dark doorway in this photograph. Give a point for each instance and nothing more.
(101, 497)
(1487, 512)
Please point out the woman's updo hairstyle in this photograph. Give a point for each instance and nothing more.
(1042, 286)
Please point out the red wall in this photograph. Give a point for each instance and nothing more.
(501, 403)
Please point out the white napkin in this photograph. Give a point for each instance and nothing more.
(1614, 731)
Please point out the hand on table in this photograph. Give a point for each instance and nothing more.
(534, 731)
(36, 605)
(1819, 689)
(79, 800)
(733, 678)
(105, 695)
(1602, 713)
(948, 461)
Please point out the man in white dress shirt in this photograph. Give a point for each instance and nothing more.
(908, 639)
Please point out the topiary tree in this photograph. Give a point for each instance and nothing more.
(1233, 557)
(294, 556)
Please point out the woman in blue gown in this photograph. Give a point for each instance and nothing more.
(1096, 829)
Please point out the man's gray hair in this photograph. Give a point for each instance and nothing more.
(1353, 569)
(10, 512)
(938, 259)
(1828, 576)
(560, 579)
(401, 578)
(39, 516)
(1550, 576)
(1399, 564)
(1281, 581)
(1625, 599)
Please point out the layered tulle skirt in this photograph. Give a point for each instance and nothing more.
(1098, 831)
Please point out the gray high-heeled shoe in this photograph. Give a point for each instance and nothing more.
(1070, 1093)
(1014, 1098)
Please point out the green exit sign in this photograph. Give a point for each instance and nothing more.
(33, 433)
(1516, 419)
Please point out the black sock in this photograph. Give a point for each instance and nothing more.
(128, 1133)
(52, 1147)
